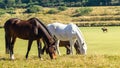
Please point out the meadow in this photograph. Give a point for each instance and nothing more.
(105, 15)
(103, 52)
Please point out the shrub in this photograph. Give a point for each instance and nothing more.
(52, 11)
(62, 8)
(82, 11)
(21, 5)
(34, 9)
(10, 10)
(2, 11)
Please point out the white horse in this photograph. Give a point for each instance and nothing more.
(69, 33)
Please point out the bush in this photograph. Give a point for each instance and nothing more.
(34, 9)
(52, 11)
(10, 10)
(82, 11)
(21, 5)
(62, 8)
(2, 11)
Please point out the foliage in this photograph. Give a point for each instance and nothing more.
(10, 10)
(83, 11)
(2, 11)
(54, 3)
(62, 8)
(34, 9)
(52, 11)
(21, 5)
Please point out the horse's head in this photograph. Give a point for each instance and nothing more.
(52, 51)
(83, 49)
(82, 46)
(80, 49)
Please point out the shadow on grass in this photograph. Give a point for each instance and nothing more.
(4, 59)
(1, 26)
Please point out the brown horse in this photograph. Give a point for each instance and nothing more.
(32, 29)
(66, 44)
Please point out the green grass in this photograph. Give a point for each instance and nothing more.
(102, 43)
(103, 52)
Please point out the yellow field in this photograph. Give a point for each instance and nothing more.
(105, 14)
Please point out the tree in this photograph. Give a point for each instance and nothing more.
(93, 2)
(1, 1)
(105, 2)
(25, 1)
(2, 4)
(34, 9)
(19, 2)
(9, 3)
(30, 1)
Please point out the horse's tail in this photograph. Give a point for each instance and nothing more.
(7, 49)
(81, 40)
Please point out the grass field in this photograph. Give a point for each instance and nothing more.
(103, 52)
(101, 14)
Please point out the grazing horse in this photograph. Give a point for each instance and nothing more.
(104, 29)
(69, 33)
(66, 44)
(32, 29)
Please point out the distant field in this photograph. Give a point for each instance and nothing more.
(103, 52)
(101, 14)
(102, 43)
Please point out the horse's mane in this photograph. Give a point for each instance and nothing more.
(41, 24)
(44, 28)
(78, 32)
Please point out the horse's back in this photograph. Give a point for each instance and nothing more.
(56, 28)
(57, 25)
(19, 28)
(9, 22)
(62, 31)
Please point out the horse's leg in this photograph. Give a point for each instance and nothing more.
(68, 49)
(76, 46)
(39, 48)
(29, 47)
(12, 47)
(57, 46)
(71, 46)
(44, 48)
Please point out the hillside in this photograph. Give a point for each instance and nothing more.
(100, 16)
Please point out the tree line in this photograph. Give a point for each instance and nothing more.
(54, 3)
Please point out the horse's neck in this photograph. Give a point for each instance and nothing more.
(79, 34)
(47, 35)
(41, 26)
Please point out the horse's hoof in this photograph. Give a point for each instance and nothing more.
(59, 54)
(41, 58)
(12, 57)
